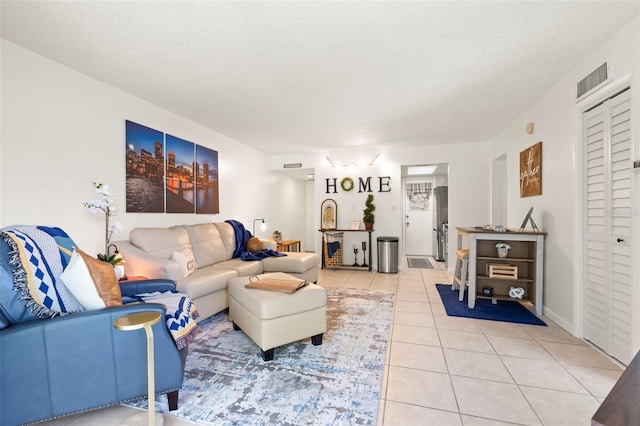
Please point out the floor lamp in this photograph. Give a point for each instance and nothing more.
(263, 226)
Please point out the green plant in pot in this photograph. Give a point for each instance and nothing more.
(367, 214)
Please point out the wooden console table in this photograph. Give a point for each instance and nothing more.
(325, 231)
(289, 245)
(527, 254)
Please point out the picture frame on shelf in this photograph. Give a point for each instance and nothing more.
(529, 219)
(355, 225)
(329, 214)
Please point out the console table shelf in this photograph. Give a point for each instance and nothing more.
(523, 280)
(324, 245)
(512, 259)
(499, 297)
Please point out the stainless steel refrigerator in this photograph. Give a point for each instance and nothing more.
(440, 223)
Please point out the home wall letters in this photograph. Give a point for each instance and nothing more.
(363, 185)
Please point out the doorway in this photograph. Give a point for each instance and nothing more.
(425, 210)
(296, 187)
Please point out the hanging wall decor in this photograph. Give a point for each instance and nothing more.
(531, 171)
(144, 169)
(206, 172)
(329, 214)
(185, 180)
(180, 179)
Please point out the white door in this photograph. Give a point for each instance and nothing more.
(607, 305)
(418, 224)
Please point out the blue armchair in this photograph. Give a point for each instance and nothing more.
(79, 362)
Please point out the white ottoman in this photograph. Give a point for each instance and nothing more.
(272, 318)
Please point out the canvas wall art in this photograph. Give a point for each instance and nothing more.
(180, 182)
(144, 169)
(184, 180)
(206, 174)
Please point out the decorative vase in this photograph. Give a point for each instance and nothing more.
(502, 252)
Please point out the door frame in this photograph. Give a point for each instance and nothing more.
(579, 175)
(437, 176)
(499, 190)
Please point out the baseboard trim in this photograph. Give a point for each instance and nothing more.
(561, 322)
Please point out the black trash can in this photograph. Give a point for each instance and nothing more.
(388, 255)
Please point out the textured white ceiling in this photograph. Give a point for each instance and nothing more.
(289, 77)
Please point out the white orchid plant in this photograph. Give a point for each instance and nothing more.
(106, 205)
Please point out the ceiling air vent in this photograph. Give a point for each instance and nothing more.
(593, 80)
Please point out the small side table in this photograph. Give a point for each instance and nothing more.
(135, 322)
(289, 245)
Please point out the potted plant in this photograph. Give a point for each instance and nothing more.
(503, 249)
(367, 214)
(106, 205)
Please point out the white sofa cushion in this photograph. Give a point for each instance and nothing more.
(205, 281)
(207, 243)
(293, 262)
(228, 236)
(269, 244)
(243, 267)
(160, 242)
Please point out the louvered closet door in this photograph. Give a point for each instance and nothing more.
(608, 227)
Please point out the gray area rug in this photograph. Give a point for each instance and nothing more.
(337, 383)
(419, 262)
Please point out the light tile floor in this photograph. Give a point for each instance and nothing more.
(444, 370)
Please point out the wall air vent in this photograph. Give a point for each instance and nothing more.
(292, 166)
(593, 80)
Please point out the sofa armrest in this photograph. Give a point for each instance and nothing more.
(132, 288)
(80, 361)
(269, 244)
(139, 262)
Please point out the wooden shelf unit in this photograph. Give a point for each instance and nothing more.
(522, 254)
(526, 253)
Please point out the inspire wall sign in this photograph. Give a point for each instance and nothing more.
(531, 171)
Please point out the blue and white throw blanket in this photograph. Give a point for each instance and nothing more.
(180, 316)
(39, 254)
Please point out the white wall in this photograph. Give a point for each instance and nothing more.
(61, 130)
(469, 189)
(558, 211)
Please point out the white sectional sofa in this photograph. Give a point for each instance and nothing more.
(149, 253)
